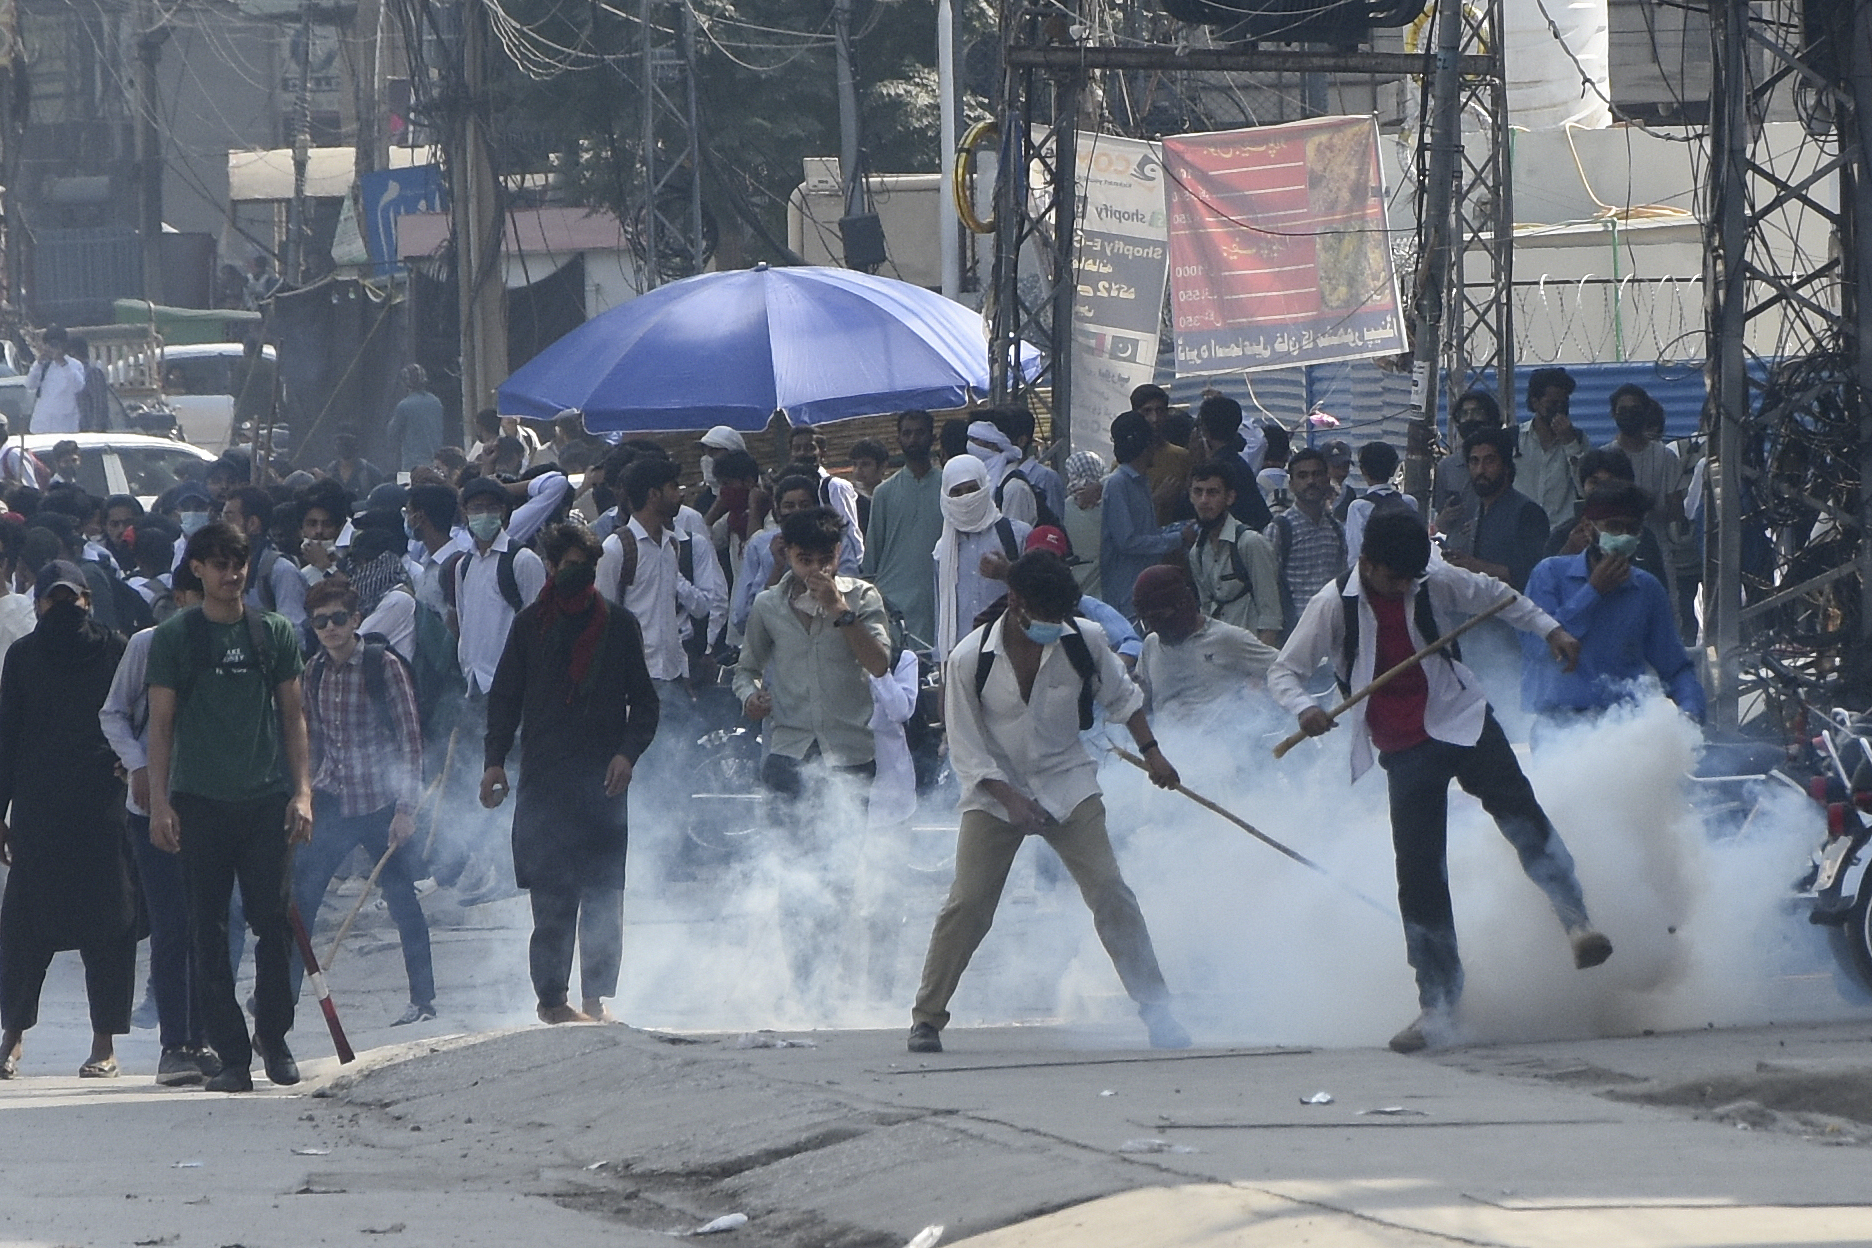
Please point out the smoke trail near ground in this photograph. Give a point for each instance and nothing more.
(816, 920)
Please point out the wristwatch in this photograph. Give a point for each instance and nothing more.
(845, 618)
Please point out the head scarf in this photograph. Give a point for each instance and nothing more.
(1083, 468)
(971, 513)
(375, 577)
(999, 453)
(573, 623)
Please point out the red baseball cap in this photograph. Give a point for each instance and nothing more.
(1050, 538)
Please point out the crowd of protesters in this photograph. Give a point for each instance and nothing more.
(215, 703)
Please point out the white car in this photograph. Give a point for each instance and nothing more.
(121, 463)
(199, 383)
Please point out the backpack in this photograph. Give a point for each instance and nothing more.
(455, 575)
(1043, 511)
(627, 567)
(1387, 502)
(1010, 544)
(1077, 652)
(377, 652)
(262, 578)
(1421, 615)
(435, 670)
(1238, 572)
(20, 465)
(195, 626)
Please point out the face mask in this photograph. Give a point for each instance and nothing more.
(1618, 543)
(485, 525)
(409, 529)
(708, 471)
(1042, 633)
(192, 520)
(575, 578)
(322, 545)
(63, 617)
(1631, 426)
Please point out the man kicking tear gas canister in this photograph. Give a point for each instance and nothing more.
(1430, 725)
(1017, 694)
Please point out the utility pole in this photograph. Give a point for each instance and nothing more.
(948, 226)
(479, 227)
(150, 40)
(297, 225)
(1433, 264)
(367, 29)
(848, 110)
(1856, 246)
(1726, 281)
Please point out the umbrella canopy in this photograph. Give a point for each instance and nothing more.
(731, 348)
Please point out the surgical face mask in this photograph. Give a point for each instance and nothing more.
(409, 529)
(485, 525)
(1618, 543)
(1043, 633)
(192, 520)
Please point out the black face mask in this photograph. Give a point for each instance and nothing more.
(1631, 426)
(63, 617)
(575, 578)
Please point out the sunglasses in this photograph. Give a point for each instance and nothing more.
(336, 619)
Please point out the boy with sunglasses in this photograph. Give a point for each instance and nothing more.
(366, 746)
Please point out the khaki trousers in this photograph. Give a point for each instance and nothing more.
(985, 850)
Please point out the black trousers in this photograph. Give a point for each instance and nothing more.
(591, 917)
(1418, 779)
(110, 980)
(224, 843)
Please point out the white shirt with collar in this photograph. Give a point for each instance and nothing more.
(55, 390)
(1033, 745)
(1456, 706)
(483, 616)
(665, 604)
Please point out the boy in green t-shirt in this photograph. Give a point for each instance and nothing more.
(230, 789)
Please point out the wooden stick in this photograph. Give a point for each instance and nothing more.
(435, 789)
(1280, 751)
(344, 929)
(1258, 834)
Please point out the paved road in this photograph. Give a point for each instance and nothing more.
(1046, 1134)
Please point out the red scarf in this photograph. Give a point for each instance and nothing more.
(581, 615)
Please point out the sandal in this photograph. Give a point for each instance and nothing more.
(104, 1069)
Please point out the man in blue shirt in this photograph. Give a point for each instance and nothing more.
(1131, 539)
(1621, 615)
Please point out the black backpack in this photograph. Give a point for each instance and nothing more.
(1043, 511)
(1077, 652)
(1421, 615)
(195, 626)
(377, 652)
(455, 575)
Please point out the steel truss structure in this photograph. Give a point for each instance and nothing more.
(671, 235)
(1045, 81)
(1788, 573)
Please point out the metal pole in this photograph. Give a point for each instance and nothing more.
(948, 225)
(698, 247)
(1728, 289)
(1856, 251)
(1011, 176)
(1065, 252)
(1433, 265)
(150, 158)
(301, 149)
(848, 110)
(652, 273)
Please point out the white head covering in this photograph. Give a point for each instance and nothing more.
(971, 513)
(1000, 458)
(722, 438)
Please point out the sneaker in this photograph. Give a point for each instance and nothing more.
(208, 1060)
(230, 1079)
(416, 1013)
(278, 1059)
(1431, 1027)
(1165, 1031)
(145, 1015)
(177, 1068)
(924, 1038)
(1590, 947)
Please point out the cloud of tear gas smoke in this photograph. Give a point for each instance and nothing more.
(817, 920)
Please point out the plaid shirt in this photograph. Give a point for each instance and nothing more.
(1310, 555)
(355, 755)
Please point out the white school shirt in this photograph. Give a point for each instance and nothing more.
(893, 798)
(483, 615)
(664, 603)
(1456, 706)
(1032, 745)
(55, 407)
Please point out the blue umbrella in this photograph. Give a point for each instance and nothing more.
(731, 348)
